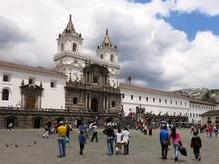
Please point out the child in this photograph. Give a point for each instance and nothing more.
(82, 141)
(196, 144)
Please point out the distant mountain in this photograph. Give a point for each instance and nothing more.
(200, 94)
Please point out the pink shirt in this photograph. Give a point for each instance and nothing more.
(175, 140)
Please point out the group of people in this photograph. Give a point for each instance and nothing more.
(118, 142)
(175, 138)
(121, 139)
(210, 130)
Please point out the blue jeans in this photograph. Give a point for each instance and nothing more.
(61, 142)
(176, 149)
(110, 145)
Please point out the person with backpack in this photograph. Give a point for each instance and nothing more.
(196, 144)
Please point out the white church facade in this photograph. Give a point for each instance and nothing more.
(82, 86)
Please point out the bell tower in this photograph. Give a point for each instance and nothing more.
(69, 52)
(69, 41)
(108, 54)
(106, 51)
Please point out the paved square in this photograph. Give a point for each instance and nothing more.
(28, 147)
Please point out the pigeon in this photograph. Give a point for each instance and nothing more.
(16, 146)
(6, 145)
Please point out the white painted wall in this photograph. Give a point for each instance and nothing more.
(183, 106)
(51, 97)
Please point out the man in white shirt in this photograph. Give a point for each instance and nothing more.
(94, 131)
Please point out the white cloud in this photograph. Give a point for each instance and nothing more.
(196, 66)
(208, 7)
(150, 49)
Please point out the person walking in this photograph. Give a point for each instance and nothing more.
(118, 141)
(67, 139)
(196, 144)
(145, 129)
(61, 130)
(109, 132)
(10, 126)
(150, 130)
(164, 141)
(46, 132)
(126, 137)
(176, 140)
(82, 141)
(94, 131)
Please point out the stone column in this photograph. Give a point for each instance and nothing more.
(40, 102)
(22, 101)
(85, 104)
(107, 103)
(88, 100)
(103, 103)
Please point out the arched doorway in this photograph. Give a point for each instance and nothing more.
(37, 122)
(94, 104)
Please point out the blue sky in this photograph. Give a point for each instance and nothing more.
(193, 22)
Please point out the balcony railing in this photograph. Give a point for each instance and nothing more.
(93, 87)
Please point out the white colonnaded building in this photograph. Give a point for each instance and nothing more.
(84, 83)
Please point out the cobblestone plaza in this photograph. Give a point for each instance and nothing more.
(28, 147)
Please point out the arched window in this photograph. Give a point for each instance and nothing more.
(74, 47)
(62, 46)
(101, 56)
(111, 57)
(5, 94)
